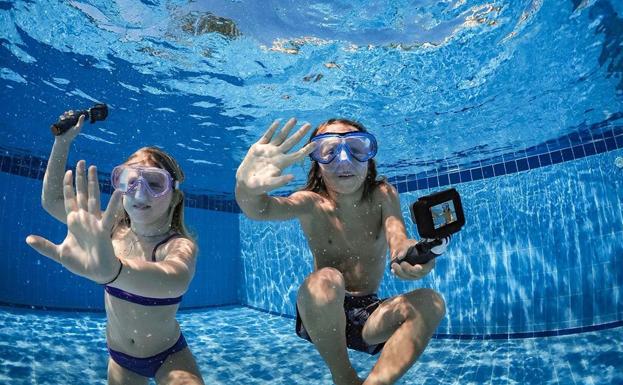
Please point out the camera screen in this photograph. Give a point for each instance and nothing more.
(443, 214)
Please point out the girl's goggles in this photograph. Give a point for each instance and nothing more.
(360, 145)
(155, 180)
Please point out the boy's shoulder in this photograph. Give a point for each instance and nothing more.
(383, 191)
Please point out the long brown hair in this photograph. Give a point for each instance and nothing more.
(314, 177)
(159, 158)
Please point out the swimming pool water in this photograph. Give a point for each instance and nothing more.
(238, 345)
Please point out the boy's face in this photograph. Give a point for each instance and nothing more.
(344, 174)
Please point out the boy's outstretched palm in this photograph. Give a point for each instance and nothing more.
(260, 171)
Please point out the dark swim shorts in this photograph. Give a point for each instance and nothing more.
(357, 310)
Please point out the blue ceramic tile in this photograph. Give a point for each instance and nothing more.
(444, 180)
(487, 172)
(498, 169)
(466, 176)
(421, 184)
(412, 185)
(511, 167)
(589, 149)
(617, 130)
(567, 154)
(522, 164)
(574, 139)
(578, 152)
(545, 160)
(455, 178)
(476, 173)
(432, 182)
(611, 144)
(14, 166)
(619, 141)
(533, 162)
(556, 157)
(607, 134)
(600, 146)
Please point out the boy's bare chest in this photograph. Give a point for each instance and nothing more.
(346, 232)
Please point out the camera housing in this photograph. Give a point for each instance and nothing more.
(95, 113)
(438, 215)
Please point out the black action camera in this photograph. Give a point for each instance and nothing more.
(95, 113)
(437, 216)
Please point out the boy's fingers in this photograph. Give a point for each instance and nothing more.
(269, 133)
(283, 134)
(294, 139)
(44, 247)
(300, 154)
(280, 181)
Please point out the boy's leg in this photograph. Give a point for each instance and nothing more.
(321, 307)
(406, 323)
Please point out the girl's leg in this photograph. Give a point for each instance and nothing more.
(179, 368)
(118, 375)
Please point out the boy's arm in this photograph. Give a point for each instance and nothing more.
(52, 193)
(261, 171)
(393, 223)
(396, 235)
(267, 208)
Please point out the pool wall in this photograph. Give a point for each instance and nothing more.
(29, 279)
(541, 252)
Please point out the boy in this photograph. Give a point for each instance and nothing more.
(349, 220)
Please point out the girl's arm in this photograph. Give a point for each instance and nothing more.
(52, 194)
(165, 279)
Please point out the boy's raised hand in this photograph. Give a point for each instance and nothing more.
(261, 169)
(87, 249)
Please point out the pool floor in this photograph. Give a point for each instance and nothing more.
(239, 345)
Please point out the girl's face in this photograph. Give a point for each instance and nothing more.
(345, 174)
(142, 207)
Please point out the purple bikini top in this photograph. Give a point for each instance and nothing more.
(139, 299)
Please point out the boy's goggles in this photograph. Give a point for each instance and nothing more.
(155, 180)
(360, 145)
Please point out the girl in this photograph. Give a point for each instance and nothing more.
(139, 249)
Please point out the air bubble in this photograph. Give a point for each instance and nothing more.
(618, 162)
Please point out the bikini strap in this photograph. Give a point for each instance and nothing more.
(167, 239)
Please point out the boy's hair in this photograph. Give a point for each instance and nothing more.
(314, 177)
(160, 159)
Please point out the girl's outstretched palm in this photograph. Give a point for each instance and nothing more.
(260, 171)
(87, 249)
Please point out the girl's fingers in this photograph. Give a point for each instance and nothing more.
(94, 193)
(68, 194)
(44, 247)
(81, 185)
(110, 215)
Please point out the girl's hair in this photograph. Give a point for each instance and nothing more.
(159, 158)
(314, 177)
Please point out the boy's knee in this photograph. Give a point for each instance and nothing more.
(434, 304)
(322, 287)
